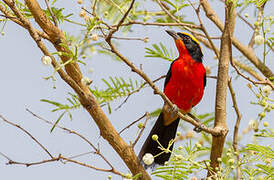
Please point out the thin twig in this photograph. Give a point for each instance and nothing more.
(108, 38)
(193, 26)
(137, 90)
(142, 130)
(128, 126)
(236, 127)
(197, 11)
(245, 50)
(99, 19)
(60, 157)
(265, 82)
(51, 13)
(17, 21)
(26, 132)
(243, 66)
(256, 29)
(5, 156)
(94, 7)
(125, 38)
(33, 163)
(97, 151)
(92, 167)
(242, 18)
(80, 155)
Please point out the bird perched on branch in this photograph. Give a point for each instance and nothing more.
(184, 86)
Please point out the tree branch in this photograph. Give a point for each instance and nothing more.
(235, 61)
(26, 132)
(221, 87)
(15, 19)
(97, 151)
(236, 128)
(245, 50)
(59, 158)
(73, 78)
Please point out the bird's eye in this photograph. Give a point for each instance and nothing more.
(187, 39)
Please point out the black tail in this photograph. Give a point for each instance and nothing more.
(165, 134)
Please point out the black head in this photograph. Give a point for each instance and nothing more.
(192, 45)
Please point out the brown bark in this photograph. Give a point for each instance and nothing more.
(221, 92)
(241, 65)
(245, 50)
(73, 77)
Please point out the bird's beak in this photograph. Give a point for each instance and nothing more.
(173, 34)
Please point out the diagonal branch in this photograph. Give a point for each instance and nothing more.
(245, 50)
(142, 130)
(97, 151)
(235, 61)
(73, 78)
(215, 132)
(26, 132)
(51, 13)
(14, 19)
(108, 38)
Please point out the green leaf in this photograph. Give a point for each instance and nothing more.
(160, 51)
(56, 122)
(156, 112)
(51, 102)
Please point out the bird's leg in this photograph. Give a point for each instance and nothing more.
(198, 128)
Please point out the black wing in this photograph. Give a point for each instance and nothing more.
(168, 75)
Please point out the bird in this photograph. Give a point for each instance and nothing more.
(184, 86)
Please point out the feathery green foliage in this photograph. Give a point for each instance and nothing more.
(160, 51)
(263, 152)
(115, 88)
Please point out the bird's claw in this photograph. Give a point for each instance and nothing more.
(174, 110)
(199, 128)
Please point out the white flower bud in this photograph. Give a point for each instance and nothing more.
(267, 90)
(86, 81)
(146, 39)
(148, 159)
(231, 161)
(94, 37)
(219, 159)
(259, 39)
(178, 157)
(46, 60)
(253, 124)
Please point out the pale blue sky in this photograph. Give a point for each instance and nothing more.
(22, 86)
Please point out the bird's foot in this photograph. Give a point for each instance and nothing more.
(198, 129)
(174, 110)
